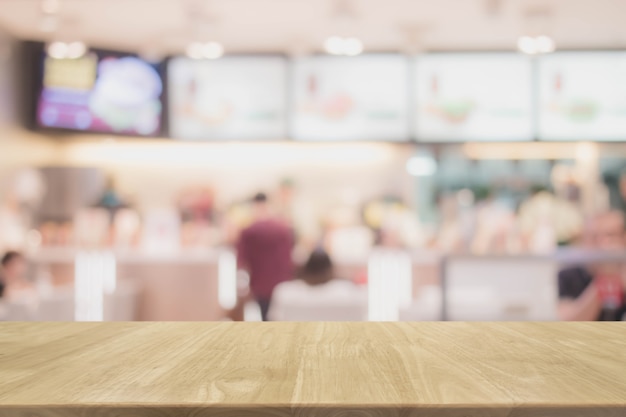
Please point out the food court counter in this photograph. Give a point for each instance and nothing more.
(171, 286)
(192, 285)
(312, 369)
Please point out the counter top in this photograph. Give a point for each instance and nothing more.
(312, 369)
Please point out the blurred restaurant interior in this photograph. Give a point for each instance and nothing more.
(433, 160)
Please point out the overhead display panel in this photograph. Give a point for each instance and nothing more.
(582, 96)
(232, 98)
(473, 97)
(350, 98)
(102, 91)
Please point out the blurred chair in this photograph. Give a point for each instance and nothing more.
(325, 306)
(57, 305)
(16, 311)
(121, 305)
(426, 307)
(486, 288)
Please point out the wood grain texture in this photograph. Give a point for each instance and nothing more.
(312, 369)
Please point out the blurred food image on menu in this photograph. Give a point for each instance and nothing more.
(101, 93)
(350, 98)
(473, 97)
(232, 98)
(583, 96)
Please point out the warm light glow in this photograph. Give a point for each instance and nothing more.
(353, 46)
(58, 50)
(64, 50)
(208, 50)
(545, 44)
(528, 150)
(587, 151)
(195, 50)
(76, 50)
(526, 44)
(533, 45)
(350, 46)
(334, 45)
(212, 50)
(156, 153)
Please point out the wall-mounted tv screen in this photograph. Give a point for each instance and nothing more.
(582, 96)
(232, 98)
(108, 92)
(473, 97)
(350, 98)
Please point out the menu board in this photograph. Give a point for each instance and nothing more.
(350, 98)
(101, 92)
(582, 96)
(232, 98)
(477, 97)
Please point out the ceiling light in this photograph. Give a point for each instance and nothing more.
(212, 50)
(58, 50)
(195, 50)
(208, 50)
(76, 50)
(65, 50)
(337, 45)
(334, 45)
(533, 45)
(353, 46)
(545, 44)
(526, 44)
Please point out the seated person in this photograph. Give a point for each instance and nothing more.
(12, 274)
(318, 295)
(596, 292)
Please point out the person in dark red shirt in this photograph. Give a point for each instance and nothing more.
(264, 251)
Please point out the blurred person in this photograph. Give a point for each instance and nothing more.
(264, 250)
(316, 291)
(543, 211)
(110, 199)
(298, 212)
(596, 292)
(450, 237)
(13, 274)
(493, 221)
(617, 186)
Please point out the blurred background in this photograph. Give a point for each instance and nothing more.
(312, 159)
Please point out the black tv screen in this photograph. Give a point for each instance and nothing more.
(102, 91)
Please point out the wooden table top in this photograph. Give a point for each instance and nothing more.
(312, 369)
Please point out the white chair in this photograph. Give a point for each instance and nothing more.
(426, 307)
(337, 311)
(121, 305)
(494, 288)
(58, 305)
(337, 301)
(16, 311)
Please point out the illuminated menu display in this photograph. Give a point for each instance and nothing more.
(582, 96)
(473, 97)
(350, 98)
(101, 92)
(232, 98)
